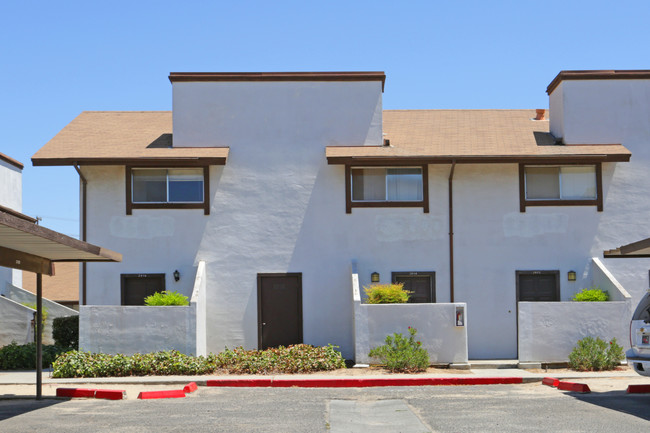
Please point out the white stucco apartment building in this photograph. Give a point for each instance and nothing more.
(267, 191)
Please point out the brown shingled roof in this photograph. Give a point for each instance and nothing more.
(120, 137)
(470, 136)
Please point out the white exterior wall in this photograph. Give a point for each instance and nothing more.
(615, 111)
(150, 241)
(11, 196)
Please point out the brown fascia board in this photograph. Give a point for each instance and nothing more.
(190, 161)
(17, 214)
(11, 161)
(640, 74)
(279, 76)
(419, 160)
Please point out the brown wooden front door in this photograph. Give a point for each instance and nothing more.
(279, 309)
(422, 285)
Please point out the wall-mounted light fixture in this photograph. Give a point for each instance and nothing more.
(177, 275)
(374, 277)
(571, 275)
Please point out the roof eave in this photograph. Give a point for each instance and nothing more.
(153, 161)
(476, 159)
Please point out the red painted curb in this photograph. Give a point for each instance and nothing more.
(172, 393)
(575, 387)
(75, 392)
(638, 389)
(110, 394)
(239, 382)
(363, 383)
(190, 387)
(550, 382)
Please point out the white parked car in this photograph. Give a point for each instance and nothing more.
(639, 355)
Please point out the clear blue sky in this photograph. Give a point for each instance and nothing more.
(60, 58)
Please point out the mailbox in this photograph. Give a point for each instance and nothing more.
(460, 316)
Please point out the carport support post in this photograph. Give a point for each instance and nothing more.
(39, 335)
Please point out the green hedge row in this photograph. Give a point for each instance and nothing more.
(293, 359)
(16, 356)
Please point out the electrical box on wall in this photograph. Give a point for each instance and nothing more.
(460, 316)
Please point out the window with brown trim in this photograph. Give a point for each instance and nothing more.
(376, 186)
(560, 185)
(167, 188)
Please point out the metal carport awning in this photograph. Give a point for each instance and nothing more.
(29, 247)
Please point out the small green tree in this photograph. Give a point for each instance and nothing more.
(401, 354)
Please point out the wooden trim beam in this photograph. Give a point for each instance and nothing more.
(140, 162)
(27, 262)
(424, 160)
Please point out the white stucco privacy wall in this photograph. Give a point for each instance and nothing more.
(53, 309)
(548, 331)
(134, 329)
(142, 329)
(445, 342)
(16, 322)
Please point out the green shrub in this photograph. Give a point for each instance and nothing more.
(592, 294)
(401, 354)
(299, 358)
(595, 355)
(65, 331)
(386, 293)
(166, 298)
(16, 356)
(293, 359)
(86, 364)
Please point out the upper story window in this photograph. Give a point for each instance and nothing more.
(180, 188)
(174, 185)
(560, 185)
(387, 187)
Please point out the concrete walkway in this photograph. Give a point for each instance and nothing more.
(21, 384)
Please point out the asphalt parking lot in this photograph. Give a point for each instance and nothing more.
(486, 408)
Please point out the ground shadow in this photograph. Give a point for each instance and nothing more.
(21, 405)
(620, 401)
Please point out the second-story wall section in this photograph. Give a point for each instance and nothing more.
(611, 107)
(272, 109)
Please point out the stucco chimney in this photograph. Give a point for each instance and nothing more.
(540, 114)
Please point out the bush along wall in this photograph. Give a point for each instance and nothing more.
(16, 356)
(300, 358)
(65, 331)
